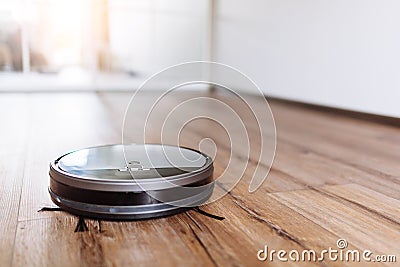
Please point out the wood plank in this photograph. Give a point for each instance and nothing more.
(292, 223)
(187, 239)
(361, 227)
(340, 140)
(325, 184)
(369, 199)
(52, 242)
(316, 169)
(13, 117)
(72, 121)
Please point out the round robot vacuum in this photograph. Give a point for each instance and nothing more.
(119, 182)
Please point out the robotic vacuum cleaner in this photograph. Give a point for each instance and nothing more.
(131, 181)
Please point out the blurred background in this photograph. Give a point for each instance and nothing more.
(96, 44)
(342, 53)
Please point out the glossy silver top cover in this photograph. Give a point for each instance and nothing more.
(131, 167)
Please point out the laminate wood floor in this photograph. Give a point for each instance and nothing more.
(333, 177)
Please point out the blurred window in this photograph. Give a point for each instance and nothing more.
(90, 42)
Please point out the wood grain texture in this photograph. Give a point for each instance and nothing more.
(333, 177)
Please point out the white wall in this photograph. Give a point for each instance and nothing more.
(340, 53)
(149, 35)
